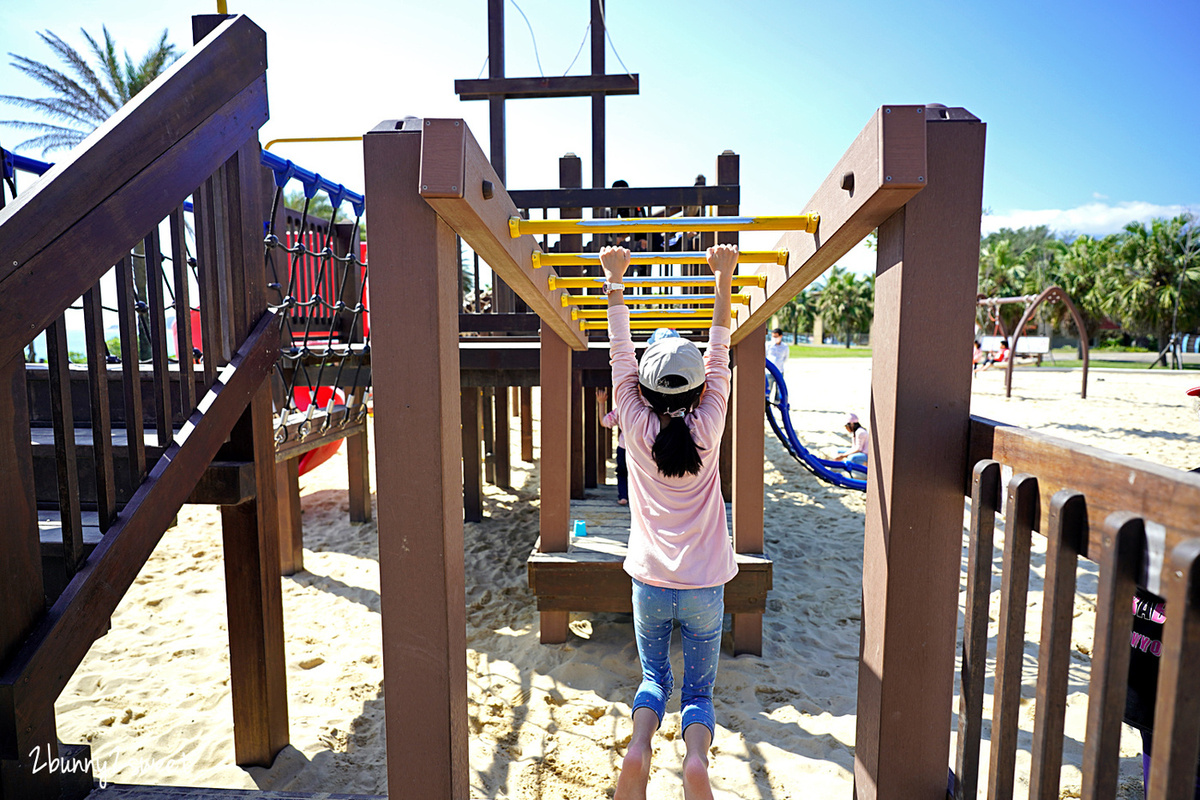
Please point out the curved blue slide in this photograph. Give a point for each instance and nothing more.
(839, 473)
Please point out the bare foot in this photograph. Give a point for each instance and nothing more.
(695, 778)
(622, 502)
(635, 773)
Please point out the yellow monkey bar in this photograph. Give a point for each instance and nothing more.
(541, 259)
(558, 282)
(802, 222)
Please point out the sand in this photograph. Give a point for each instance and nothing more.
(152, 697)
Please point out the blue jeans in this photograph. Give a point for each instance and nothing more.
(855, 458)
(700, 613)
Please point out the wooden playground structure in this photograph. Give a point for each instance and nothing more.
(914, 173)
(1032, 302)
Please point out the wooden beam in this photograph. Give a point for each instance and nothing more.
(1111, 482)
(627, 197)
(884, 167)
(452, 177)
(291, 530)
(502, 447)
(421, 573)
(560, 86)
(749, 359)
(358, 466)
(527, 424)
(576, 435)
(555, 465)
(924, 297)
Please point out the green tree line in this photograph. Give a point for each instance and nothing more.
(1144, 280)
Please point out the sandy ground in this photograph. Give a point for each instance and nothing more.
(152, 697)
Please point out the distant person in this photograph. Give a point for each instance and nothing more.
(612, 420)
(977, 357)
(777, 354)
(997, 356)
(857, 452)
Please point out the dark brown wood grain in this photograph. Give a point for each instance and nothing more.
(749, 359)
(131, 374)
(576, 436)
(420, 512)
(291, 529)
(555, 86)
(1066, 533)
(104, 473)
(1120, 554)
(358, 468)
(472, 454)
(156, 317)
(985, 503)
(625, 197)
(67, 471)
(502, 446)
(1020, 521)
(183, 317)
(527, 424)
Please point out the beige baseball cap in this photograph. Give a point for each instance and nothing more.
(671, 356)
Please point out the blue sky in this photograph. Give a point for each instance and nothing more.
(1092, 107)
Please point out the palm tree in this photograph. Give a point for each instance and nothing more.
(1159, 277)
(846, 303)
(799, 312)
(82, 98)
(1083, 269)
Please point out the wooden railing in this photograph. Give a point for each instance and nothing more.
(1138, 522)
(118, 200)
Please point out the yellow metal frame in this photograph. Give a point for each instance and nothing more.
(267, 146)
(648, 324)
(801, 222)
(541, 259)
(559, 282)
(649, 299)
(649, 313)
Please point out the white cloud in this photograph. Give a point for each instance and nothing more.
(1097, 219)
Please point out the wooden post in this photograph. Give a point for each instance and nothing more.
(591, 439)
(21, 566)
(728, 174)
(527, 424)
(920, 401)
(749, 360)
(416, 381)
(291, 530)
(577, 434)
(597, 97)
(251, 531)
(487, 409)
(555, 465)
(358, 467)
(502, 447)
(472, 458)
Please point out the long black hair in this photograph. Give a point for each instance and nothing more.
(675, 453)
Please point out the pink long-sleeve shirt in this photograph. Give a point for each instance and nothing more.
(678, 536)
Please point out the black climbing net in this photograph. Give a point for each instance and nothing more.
(318, 277)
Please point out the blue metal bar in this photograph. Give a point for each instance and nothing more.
(284, 171)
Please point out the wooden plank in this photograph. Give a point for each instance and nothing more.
(749, 360)
(1020, 522)
(209, 258)
(483, 224)
(985, 502)
(52, 274)
(156, 299)
(183, 309)
(103, 469)
(420, 510)
(1177, 707)
(577, 434)
(487, 406)
(554, 86)
(472, 453)
(555, 464)
(502, 447)
(291, 528)
(1066, 535)
(1121, 554)
(1111, 482)
(498, 323)
(131, 372)
(190, 92)
(895, 137)
(67, 465)
(626, 197)
(20, 563)
(48, 657)
(912, 553)
(358, 466)
(527, 424)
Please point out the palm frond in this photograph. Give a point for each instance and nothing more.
(54, 107)
(71, 92)
(71, 57)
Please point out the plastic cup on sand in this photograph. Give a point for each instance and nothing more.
(579, 528)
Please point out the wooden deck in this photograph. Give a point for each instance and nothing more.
(589, 576)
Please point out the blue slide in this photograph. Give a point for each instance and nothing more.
(839, 473)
